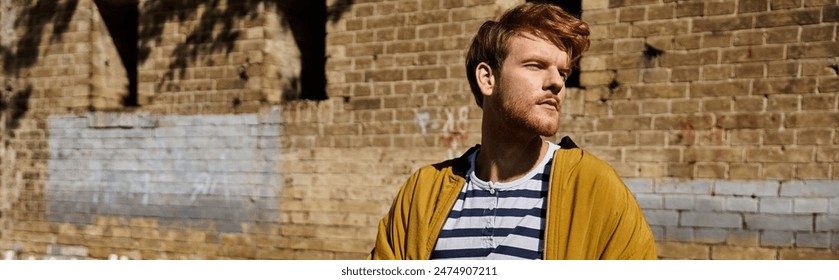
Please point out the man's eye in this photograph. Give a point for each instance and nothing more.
(533, 66)
(565, 74)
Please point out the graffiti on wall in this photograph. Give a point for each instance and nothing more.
(453, 127)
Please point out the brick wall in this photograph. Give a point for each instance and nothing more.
(720, 115)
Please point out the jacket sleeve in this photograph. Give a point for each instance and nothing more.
(631, 237)
(393, 227)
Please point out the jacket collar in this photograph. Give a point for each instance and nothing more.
(461, 165)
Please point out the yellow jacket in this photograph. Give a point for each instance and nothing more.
(591, 213)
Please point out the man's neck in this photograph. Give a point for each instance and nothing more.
(504, 157)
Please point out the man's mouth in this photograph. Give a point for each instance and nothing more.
(550, 103)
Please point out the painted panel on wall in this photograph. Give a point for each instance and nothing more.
(187, 171)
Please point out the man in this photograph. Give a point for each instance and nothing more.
(517, 196)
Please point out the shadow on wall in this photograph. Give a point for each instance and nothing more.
(309, 35)
(33, 16)
(14, 104)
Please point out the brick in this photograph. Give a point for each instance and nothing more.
(690, 122)
(429, 17)
(627, 123)
(780, 171)
(655, 75)
(810, 205)
(776, 205)
(688, 42)
(658, 232)
(710, 235)
(685, 106)
(639, 185)
(778, 222)
(628, 3)
(732, 88)
(659, 91)
(783, 103)
(632, 14)
(776, 154)
(812, 240)
(782, 35)
(829, 85)
(384, 75)
(716, 40)
(814, 50)
(833, 207)
(691, 9)
(818, 102)
(684, 186)
(827, 222)
(752, 54)
(807, 254)
(595, 78)
(751, 70)
(784, 4)
(666, 11)
(743, 238)
(709, 203)
(827, 154)
(674, 250)
(662, 217)
(742, 253)
(679, 234)
(815, 137)
(717, 72)
(678, 201)
(749, 104)
(718, 24)
(741, 204)
(652, 154)
(785, 86)
(427, 73)
(830, 14)
(720, 8)
(595, 4)
(740, 171)
(624, 139)
(710, 219)
(817, 68)
(782, 69)
(810, 188)
(698, 57)
(777, 238)
(786, 18)
(653, 107)
(748, 37)
(746, 137)
(741, 121)
(751, 6)
(650, 201)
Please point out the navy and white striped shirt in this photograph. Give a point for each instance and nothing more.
(497, 220)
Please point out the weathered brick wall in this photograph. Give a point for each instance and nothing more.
(725, 112)
(213, 57)
(720, 115)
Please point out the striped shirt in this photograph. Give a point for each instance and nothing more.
(497, 220)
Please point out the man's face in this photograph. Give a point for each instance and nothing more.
(531, 85)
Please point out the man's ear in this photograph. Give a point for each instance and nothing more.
(485, 78)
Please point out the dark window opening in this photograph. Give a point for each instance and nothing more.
(574, 8)
(307, 20)
(122, 20)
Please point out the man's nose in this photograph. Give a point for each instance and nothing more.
(554, 81)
